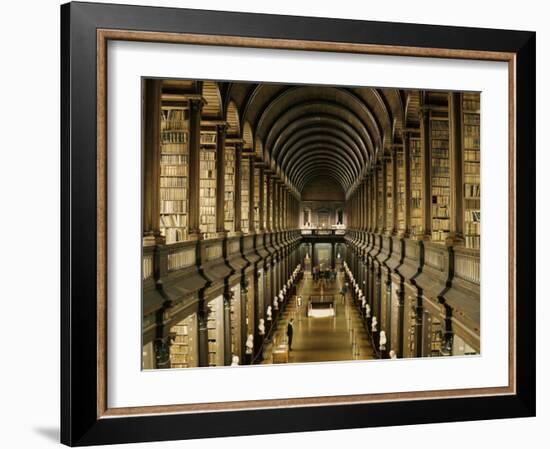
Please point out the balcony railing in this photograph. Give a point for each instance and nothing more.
(323, 231)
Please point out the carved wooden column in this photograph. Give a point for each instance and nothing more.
(426, 158)
(456, 235)
(238, 166)
(221, 130)
(151, 172)
(407, 170)
(195, 109)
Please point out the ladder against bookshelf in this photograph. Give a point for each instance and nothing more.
(229, 194)
(174, 172)
(207, 185)
(416, 186)
(184, 347)
(215, 328)
(441, 182)
(400, 190)
(245, 176)
(471, 168)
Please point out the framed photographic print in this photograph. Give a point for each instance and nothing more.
(276, 224)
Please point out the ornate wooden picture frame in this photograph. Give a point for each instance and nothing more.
(86, 418)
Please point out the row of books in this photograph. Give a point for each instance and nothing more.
(439, 175)
(471, 119)
(471, 190)
(173, 182)
(208, 138)
(174, 137)
(174, 159)
(173, 118)
(173, 194)
(472, 203)
(439, 153)
(208, 196)
(173, 206)
(173, 221)
(472, 241)
(174, 148)
(471, 168)
(174, 235)
(471, 130)
(471, 155)
(174, 170)
(472, 216)
(442, 144)
(208, 214)
(470, 178)
(471, 142)
(440, 191)
(470, 105)
(440, 211)
(440, 235)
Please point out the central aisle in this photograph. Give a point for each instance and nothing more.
(328, 339)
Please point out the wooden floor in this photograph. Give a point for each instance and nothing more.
(322, 339)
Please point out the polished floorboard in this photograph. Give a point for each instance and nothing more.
(326, 339)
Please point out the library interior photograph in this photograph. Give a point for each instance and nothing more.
(308, 223)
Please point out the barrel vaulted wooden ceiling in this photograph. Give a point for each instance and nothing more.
(306, 132)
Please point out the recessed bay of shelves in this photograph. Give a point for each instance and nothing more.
(472, 200)
(184, 347)
(229, 194)
(174, 172)
(400, 190)
(214, 326)
(380, 198)
(256, 172)
(389, 194)
(245, 176)
(441, 182)
(416, 185)
(207, 192)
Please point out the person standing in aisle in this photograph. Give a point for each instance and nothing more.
(289, 333)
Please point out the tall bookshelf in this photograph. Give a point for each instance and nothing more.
(389, 194)
(415, 148)
(441, 181)
(184, 348)
(256, 199)
(229, 194)
(380, 198)
(214, 326)
(265, 202)
(399, 159)
(245, 176)
(235, 317)
(174, 172)
(270, 206)
(207, 184)
(471, 168)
